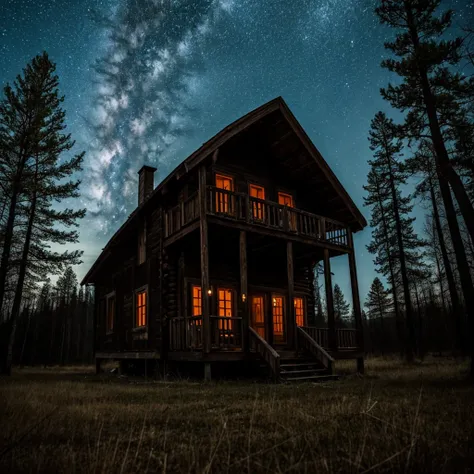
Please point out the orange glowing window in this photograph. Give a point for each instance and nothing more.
(285, 199)
(224, 298)
(141, 309)
(299, 311)
(197, 302)
(223, 201)
(257, 207)
(110, 314)
(277, 311)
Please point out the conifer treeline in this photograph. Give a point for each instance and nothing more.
(55, 327)
(430, 287)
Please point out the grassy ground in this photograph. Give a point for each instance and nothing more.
(396, 418)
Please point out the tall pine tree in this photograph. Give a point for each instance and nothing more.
(36, 224)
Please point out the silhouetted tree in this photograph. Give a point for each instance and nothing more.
(341, 307)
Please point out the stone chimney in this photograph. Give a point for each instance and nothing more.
(145, 182)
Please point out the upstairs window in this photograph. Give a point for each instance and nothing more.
(299, 311)
(142, 245)
(223, 199)
(110, 313)
(257, 207)
(140, 308)
(285, 199)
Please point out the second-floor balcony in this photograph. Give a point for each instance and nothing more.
(261, 213)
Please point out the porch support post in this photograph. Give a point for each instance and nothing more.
(329, 302)
(243, 301)
(206, 326)
(291, 293)
(356, 302)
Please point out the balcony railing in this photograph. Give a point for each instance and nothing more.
(244, 208)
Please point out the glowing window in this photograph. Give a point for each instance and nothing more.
(196, 303)
(299, 311)
(285, 199)
(224, 298)
(141, 309)
(223, 201)
(257, 207)
(277, 310)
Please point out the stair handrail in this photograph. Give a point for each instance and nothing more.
(307, 342)
(266, 351)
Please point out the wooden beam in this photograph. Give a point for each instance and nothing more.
(291, 294)
(204, 260)
(244, 294)
(329, 302)
(356, 302)
(128, 355)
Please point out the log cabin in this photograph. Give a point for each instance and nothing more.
(216, 264)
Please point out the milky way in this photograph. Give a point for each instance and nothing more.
(173, 73)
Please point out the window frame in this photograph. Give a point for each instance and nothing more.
(258, 209)
(141, 233)
(303, 308)
(288, 194)
(142, 289)
(227, 204)
(107, 297)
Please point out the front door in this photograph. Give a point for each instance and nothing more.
(258, 315)
(278, 320)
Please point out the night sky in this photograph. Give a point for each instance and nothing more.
(188, 69)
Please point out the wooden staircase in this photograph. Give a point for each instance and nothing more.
(300, 368)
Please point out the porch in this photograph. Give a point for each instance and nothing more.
(226, 334)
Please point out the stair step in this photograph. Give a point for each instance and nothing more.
(314, 378)
(300, 364)
(303, 371)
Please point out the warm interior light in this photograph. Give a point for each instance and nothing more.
(274, 302)
(209, 291)
(244, 297)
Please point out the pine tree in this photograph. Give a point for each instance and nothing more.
(341, 307)
(394, 240)
(432, 95)
(43, 172)
(379, 306)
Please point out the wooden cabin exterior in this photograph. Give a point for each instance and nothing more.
(216, 263)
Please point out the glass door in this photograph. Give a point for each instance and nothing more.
(278, 304)
(258, 315)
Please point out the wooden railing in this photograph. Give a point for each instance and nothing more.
(181, 215)
(345, 338)
(242, 207)
(226, 333)
(266, 352)
(306, 342)
(187, 333)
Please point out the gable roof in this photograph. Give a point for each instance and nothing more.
(358, 221)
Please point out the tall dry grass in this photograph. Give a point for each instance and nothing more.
(397, 418)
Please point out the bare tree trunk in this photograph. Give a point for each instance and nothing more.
(453, 293)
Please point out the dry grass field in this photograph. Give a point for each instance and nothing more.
(397, 418)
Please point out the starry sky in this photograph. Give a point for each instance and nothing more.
(148, 81)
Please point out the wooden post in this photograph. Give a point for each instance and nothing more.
(332, 339)
(244, 289)
(356, 302)
(207, 371)
(97, 365)
(206, 324)
(291, 294)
